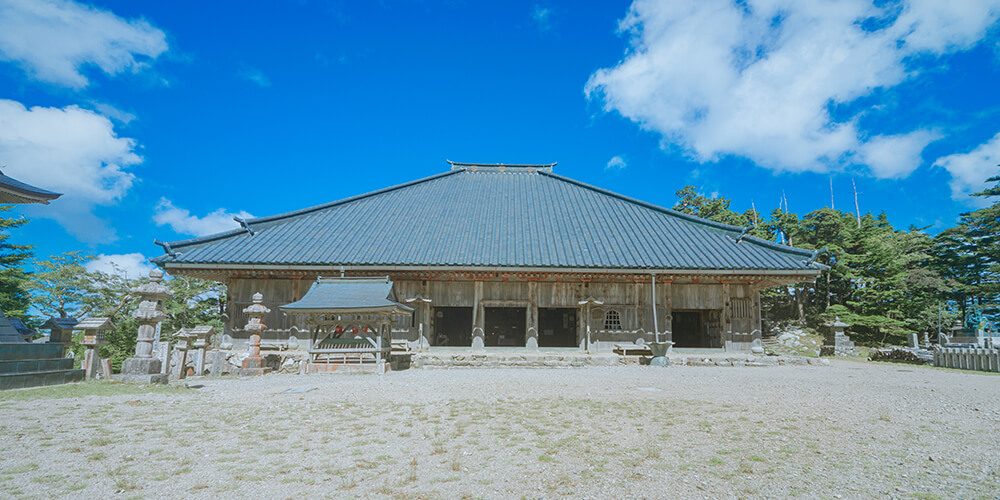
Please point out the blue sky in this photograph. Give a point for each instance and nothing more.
(165, 119)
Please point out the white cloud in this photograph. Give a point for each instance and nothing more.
(72, 151)
(616, 163)
(132, 265)
(114, 113)
(181, 220)
(256, 76)
(757, 79)
(969, 171)
(542, 16)
(53, 39)
(895, 156)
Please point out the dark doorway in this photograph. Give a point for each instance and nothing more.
(556, 327)
(688, 329)
(453, 326)
(505, 326)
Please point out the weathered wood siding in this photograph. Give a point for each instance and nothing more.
(731, 312)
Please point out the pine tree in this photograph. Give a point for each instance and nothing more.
(14, 298)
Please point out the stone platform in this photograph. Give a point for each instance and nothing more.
(572, 358)
(31, 365)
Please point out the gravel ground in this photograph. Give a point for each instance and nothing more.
(850, 430)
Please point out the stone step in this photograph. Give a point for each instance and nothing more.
(16, 352)
(25, 366)
(56, 377)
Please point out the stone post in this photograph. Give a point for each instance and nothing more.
(184, 338)
(91, 358)
(93, 339)
(201, 343)
(143, 367)
(254, 365)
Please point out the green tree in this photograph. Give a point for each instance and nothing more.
(715, 209)
(14, 298)
(61, 286)
(64, 287)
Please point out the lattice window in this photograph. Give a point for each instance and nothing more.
(612, 320)
(742, 308)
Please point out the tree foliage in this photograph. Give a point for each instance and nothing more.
(885, 282)
(64, 287)
(14, 299)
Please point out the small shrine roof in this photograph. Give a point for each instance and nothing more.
(60, 323)
(347, 295)
(95, 324)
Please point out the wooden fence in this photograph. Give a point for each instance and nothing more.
(968, 358)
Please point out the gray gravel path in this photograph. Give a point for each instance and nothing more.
(852, 429)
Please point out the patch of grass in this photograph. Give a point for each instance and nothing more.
(125, 484)
(757, 458)
(716, 461)
(101, 441)
(76, 487)
(545, 458)
(96, 457)
(84, 389)
(21, 469)
(48, 479)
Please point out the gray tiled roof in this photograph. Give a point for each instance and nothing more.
(339, 294)
(490, 217)
(15, 191)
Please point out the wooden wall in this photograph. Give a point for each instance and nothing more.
(735, 320)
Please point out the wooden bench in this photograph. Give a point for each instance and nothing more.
(349, 351)
(632, 349)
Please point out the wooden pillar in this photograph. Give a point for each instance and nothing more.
(531, 321)
(668, 310)
(755, 293)
(640, 310)
(727, 324)
(478, 316)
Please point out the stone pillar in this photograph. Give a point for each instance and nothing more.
(184, 338)
(143, 367)
(91, 358)
(93, 340)
(668, 310)
(254, 365)
(203, 338)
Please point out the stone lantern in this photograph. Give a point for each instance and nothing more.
(93, 338)
(143, 367)
(837, 342)
(254, 364)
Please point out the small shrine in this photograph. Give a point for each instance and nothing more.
(60, 331)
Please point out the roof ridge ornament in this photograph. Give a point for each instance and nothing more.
(816, 255)
(743, 234)
(166, 247)
(243, 224)
(502, 167)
